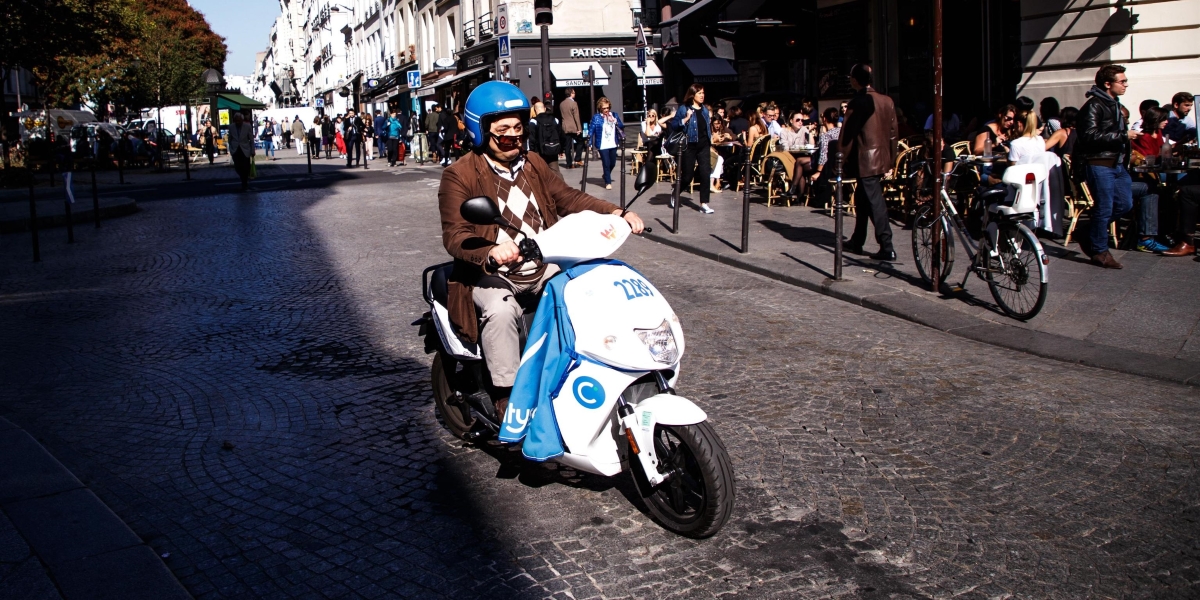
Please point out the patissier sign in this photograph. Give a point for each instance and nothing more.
(596, 52)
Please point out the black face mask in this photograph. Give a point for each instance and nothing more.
(508, 143)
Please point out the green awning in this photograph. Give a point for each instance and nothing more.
(238, 102)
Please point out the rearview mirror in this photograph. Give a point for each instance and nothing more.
(480, 210)
(647, 176)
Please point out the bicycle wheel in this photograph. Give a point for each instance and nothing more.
(1020, 286)
(922, 244)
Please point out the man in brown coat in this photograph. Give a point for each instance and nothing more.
(568, 110)
(869, 143)
(489, 272)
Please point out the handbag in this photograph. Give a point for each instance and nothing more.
(675, 143)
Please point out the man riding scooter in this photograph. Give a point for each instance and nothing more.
(490, 276)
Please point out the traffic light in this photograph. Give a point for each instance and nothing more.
(543, 12)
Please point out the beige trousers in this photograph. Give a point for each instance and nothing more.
(500, 322)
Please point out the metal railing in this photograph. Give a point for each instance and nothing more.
(468, 32)
(485, 26)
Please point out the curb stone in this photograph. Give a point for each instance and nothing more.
(916, 309)
(87, 550)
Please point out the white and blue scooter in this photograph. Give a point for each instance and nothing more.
(617, 409)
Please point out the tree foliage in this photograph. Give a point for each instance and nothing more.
(136, 53)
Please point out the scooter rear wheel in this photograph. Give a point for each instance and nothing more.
(455, 413)
(698, 497)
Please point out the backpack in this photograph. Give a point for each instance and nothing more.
(547, 132)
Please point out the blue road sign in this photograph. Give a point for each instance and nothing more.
(414, 79)
(505, 48)
(641, 58)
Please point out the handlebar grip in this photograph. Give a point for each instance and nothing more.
(647, 230)
(492, 264)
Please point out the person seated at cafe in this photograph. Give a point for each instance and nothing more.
(651, 134)
(758, 127)
(1029, 149)
(771, 116)
(722, 142)
(1050, 111)
(951, 125)
(997, 130)
(1181, 127)
(1145, 105)
(1154, 120)
(903, 129)
(823, 173)
(738, 123)
(1067, 117)
(795, 137)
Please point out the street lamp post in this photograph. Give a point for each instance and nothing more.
(543, 15)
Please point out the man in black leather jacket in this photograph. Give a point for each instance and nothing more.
(1102, 150)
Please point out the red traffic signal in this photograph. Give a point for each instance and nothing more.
(543, 12)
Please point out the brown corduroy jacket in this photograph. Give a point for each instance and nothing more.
(470, 244)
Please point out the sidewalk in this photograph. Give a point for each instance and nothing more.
(1144, 319)
(58, 540)
(109, 180)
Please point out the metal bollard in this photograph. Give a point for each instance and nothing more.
(678, 184)
(587, 156)
(622, 175)
(837, 222)
(746, 203)
(362, 153)
(308, 153)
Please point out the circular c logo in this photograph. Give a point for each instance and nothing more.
(588, 392)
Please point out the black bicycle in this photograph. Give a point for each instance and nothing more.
(1007, 255)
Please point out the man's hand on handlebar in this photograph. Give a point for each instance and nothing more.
(635, 222)
(503, 254)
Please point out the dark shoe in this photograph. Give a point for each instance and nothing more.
(501, 406)
(1181, 249)
(1105, 259)
(852, 248)
(884, 255)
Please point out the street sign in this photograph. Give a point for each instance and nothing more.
(502, 19)
(414, 79)
(641, 37)
(320, 103)
(641, 63)
(505, 48)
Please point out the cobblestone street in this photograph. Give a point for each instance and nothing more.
(236, 377)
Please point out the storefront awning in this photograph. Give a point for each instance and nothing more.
(458, 76)
(710, 70)
(570, 74)
(652, 75)
(238, 102)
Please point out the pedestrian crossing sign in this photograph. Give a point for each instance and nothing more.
(414, 79)
(505, 48)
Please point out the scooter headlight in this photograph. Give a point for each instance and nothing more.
(661, 343)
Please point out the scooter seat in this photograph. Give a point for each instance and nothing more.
(438, 286)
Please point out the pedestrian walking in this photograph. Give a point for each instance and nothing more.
(868, 144)
(1103, 147)
(352, 137)
(277, 132)
(568, 111)
(287, 134)
(607, 133)
(241, 147)
(268, 140)
(369, 138)
(381, 134)
(546, 136)
(433, 125)
(448, 127)
(210, 141)
(298, 134)
(695, 120)
(327, 136)
(395, 131)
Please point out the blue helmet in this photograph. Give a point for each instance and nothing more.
(491, 99)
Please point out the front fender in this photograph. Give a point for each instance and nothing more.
(668, 409)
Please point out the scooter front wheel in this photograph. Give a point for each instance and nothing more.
(455, 413)
(697, 499)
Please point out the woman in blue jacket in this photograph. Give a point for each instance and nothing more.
(607, 133)
(693, 118)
